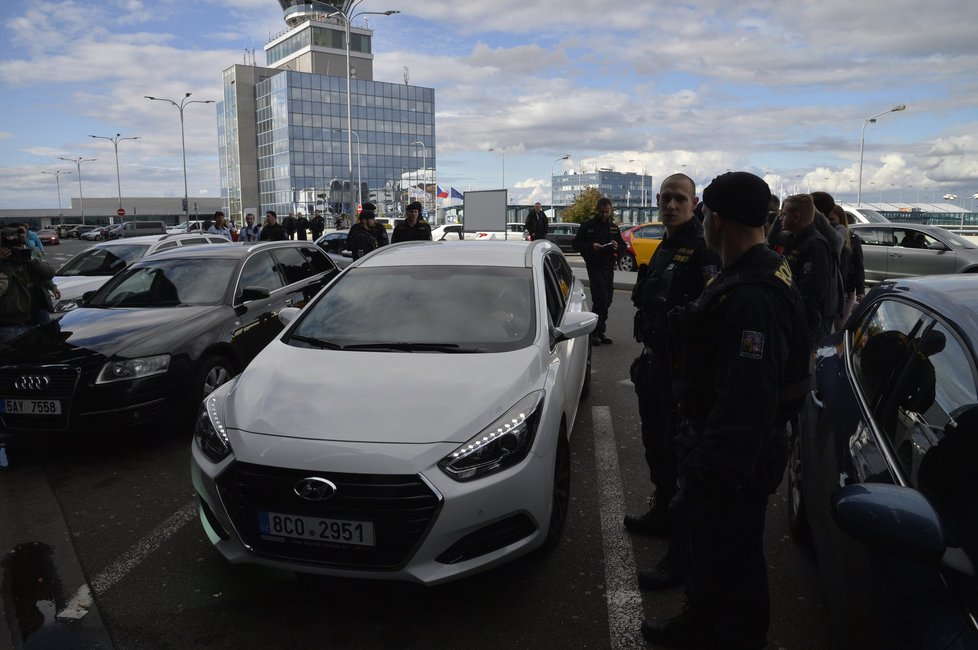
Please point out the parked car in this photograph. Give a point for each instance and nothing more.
(881, 477)
(49, 237)
(116, 231)
(641, 242)
(78, 231)
(95, 234)
(90, 269)
(386, 488)
(862, 215)
(447, 232)
(563, 235)
(898, 250)
(64, 229)
(137, 228)
(158, 337)
(514, 231)
(333, 242)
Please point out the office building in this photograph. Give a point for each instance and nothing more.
(283, 137)
(625, 189)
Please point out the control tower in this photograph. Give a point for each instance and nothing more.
(315, 41)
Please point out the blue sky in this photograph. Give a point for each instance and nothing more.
(778, 88)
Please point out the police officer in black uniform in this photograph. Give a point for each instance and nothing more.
(677, 274)
(365, 235)
(812, 263)
(599, 242)
(742, 356)
(413, 228)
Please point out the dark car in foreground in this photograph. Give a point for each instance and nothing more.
(903, 250)
(156, 338)
(882, 473)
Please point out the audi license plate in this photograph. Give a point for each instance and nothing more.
(30, 407)
(340, 531)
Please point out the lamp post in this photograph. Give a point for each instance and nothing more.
(424, 166)
(862, 144)
(503, 155)
(183, 142)
(347, 18)
(359, 178)
(81, 197)
(115, 145)
(57, 177)
(553, 185)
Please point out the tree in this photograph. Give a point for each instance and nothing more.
(583, 207)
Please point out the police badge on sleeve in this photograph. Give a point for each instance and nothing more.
(752, 345)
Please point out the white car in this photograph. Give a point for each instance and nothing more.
(447, 232)
(320, 475)
(514, 232)
(91, 268)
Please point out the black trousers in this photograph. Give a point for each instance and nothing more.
(657, 411)
(602, 281)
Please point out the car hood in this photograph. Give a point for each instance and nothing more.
(110, 331)
(382, 397)
(73, 286)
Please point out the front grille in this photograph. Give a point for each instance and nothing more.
(401, 507)
(62, 381)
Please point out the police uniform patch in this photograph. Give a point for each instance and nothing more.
(752, 345)
(807, 268)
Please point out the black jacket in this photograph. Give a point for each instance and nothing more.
(594, 231)
(361, 240)
(537, 224)
(814, 270)
(420, 231)
(274, 232)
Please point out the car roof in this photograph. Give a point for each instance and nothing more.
(453, 253)
(953, 296)
(229, 251)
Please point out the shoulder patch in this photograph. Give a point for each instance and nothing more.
(752, 345)
(784, 272)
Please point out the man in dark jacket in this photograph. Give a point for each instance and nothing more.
(317, 225)
(366, 234)
(742, 358)
(289, 224)
(413, 228)
(301, 227)
(812, 263)
(24, 301)
(599, 242)
(536, 224)
(273, 230)
(677, 274)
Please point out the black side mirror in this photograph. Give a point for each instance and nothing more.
(254, 293)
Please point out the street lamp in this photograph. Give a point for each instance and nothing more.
(359, 178)
(424, 166)
(81, 197)
(862, 143)
(347, 18)
(115, 145)
(553, 185)
(57, 177)
(183, 141)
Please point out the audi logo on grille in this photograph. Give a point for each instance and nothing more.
(315, 488)
(32, 382)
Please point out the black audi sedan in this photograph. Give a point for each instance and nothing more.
(882, 478)
(156, 338)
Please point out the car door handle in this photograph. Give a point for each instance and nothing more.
(289, 302)
(896, 254)
(817, 399)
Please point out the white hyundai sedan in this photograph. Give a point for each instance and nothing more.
(330, 455)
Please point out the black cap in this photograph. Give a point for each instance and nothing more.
(740, 196)
(414, 205)
(368, 207)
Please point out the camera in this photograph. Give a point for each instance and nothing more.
(19, 253)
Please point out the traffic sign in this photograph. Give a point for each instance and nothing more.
(121, 212)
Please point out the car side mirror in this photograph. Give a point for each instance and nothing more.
(254, 293)
(288, 314)
(87, 296)
(576, 323)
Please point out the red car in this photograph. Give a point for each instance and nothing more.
(49, 237)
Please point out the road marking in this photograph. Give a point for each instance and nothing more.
(623, 598)
(81, 601)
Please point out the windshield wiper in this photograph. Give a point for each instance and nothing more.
(413, 347)
(319, 343)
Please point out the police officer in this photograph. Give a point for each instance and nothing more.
(599, 241)
(366, 234)
(812, 263)
(677, 274)
(413, 228)
(742, 357)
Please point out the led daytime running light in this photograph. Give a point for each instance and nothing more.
(501, 431)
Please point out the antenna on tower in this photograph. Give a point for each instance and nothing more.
(407, 75)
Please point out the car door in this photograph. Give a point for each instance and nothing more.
(876, 242)
(915, 252)
(564, 296)
(256, 322)
(306, 271)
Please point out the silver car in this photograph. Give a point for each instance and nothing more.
(898, 250)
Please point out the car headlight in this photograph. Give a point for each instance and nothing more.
(67, 304)
(209, 433)
(126, 369)
(502, 444)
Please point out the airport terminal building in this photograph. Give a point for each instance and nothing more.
(283, 135)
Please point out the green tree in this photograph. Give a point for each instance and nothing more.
(583, 206)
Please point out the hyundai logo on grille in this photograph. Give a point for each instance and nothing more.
(32, 382)
(315, 488)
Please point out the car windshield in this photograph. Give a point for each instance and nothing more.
(423, 309)
(954, 241)
(167, 283)
(107, 260)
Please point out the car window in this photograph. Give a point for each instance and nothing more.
(881, 345)
(191, 241)
(107, 260)
(293, 265)
(260, 270)
(911, 238)
(555, 299)
(562, 272)
(165, 245)
(319, 262)
(167, 283)
(875, 236)
(212, 240)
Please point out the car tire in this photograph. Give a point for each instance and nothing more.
(586, 386)
(560, 493)
(97, 237)
(212, 371)
(797, 513)
(626, 262)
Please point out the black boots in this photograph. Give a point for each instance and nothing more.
(653, 522)
(669, 572)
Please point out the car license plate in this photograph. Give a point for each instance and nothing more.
(30, 407)
(339, 531)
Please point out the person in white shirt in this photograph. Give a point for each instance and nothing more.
(220, 226)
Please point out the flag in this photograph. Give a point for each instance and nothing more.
(442, 194)
(456, 194)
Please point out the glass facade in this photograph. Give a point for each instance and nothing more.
(315, 35)
(303, 152)
(625, 189)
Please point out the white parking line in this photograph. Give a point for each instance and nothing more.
(80, 602)
(622, 596)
